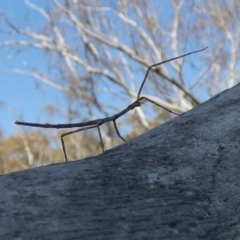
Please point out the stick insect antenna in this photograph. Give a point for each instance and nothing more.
(160, 63)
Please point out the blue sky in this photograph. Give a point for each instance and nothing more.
(22, 101)
(18, 92)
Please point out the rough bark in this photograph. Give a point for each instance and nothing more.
(178, 181)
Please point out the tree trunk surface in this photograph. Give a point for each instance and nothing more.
(181, 180)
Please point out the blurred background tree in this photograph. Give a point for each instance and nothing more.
(97, 53)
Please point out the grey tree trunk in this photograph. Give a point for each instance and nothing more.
(180, 180)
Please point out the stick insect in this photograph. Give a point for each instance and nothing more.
(98, 122)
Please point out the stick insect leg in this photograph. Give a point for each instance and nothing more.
(68, 133)
(115, 125)
(147, 99)
(100, 136)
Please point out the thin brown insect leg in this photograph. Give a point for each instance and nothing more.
(115, 125)
(160, 63)
(68, 133)
(159, 105)
(64, 150)
(100, 136)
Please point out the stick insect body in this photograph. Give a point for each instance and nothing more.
(98, 122)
